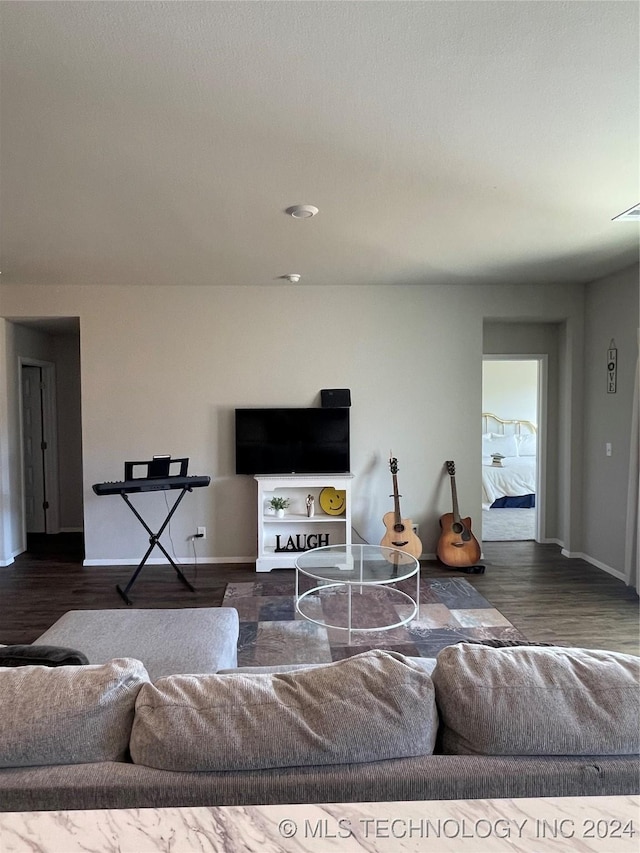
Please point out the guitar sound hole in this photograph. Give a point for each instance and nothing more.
(398, 528)
(457, 527)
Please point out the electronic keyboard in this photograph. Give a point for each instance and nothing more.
(151, 484)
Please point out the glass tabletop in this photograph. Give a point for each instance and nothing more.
(357, 564)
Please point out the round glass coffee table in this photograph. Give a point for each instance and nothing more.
(353, 587)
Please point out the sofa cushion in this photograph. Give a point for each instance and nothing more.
(25, 655)
(69, 714)
(184, 639)
(530, 700)
(426, 664)
(505, 644)
(268, 669)
(371, 706)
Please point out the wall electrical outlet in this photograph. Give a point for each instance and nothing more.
(202, 533)
(416, 528)
(608, 449)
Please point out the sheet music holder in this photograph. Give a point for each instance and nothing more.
(158, 474)
(159, 466)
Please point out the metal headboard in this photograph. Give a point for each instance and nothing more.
(507, 426)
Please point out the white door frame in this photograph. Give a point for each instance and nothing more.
(541, 458)
(50, 428)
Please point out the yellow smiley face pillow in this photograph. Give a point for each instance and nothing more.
(333, 501)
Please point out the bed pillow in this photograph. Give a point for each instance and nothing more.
(537, 701)
(492, 443)
(527, 445)
(369, 707)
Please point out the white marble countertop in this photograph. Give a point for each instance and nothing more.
(602, 824)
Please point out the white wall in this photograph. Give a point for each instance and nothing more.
(611, 312)
(163, 369)
(510, 389)
(69, 406)
(9, 546)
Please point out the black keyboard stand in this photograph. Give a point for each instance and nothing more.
(154, 542)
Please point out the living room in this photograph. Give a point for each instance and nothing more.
(147, 175)
(409, 348)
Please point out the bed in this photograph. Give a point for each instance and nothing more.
(512, 481)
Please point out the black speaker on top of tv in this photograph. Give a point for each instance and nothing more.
(335, 398)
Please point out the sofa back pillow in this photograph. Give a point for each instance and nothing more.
(67, 714)
(371, 706)
(537, 701)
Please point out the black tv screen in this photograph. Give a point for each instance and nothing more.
(292, 441)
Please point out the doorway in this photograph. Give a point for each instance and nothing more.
(51, 344)
(513, 392)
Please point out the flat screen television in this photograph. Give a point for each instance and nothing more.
(292, 441)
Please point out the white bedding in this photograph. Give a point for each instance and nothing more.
(516, 477)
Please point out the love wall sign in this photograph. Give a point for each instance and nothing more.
(612, 367)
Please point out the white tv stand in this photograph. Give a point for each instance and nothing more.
(295, 530)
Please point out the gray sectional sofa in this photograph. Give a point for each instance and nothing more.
(486, 723)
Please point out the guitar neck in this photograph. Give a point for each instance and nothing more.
(396, 499)
(454, 498)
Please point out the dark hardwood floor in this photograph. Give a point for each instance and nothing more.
(546, 596)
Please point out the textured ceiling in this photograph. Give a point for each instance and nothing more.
(444, 142)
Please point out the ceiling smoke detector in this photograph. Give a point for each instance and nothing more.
(293, 277)
(302, 211)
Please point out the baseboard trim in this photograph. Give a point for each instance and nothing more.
(179, 561)
(7, 561)
(213, 561)
(572, 555)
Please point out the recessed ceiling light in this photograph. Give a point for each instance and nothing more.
(302, 211)
(633, 214)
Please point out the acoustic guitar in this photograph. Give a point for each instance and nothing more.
(400, 534)
(457, 546)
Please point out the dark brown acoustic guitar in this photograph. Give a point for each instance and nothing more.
(400, 533)
(457, 546)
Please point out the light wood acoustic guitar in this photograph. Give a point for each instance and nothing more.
(400, 533)
(457, 546)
